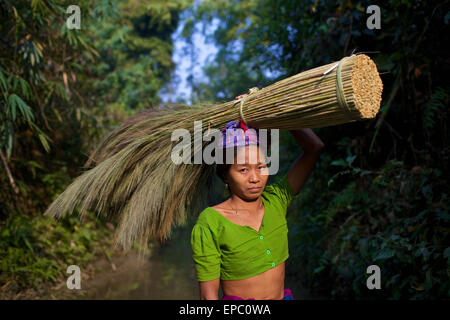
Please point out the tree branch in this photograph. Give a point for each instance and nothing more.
(8, 172)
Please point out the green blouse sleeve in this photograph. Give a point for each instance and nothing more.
(205, 253)
(281, 189)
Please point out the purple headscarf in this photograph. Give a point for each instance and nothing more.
(237, 134)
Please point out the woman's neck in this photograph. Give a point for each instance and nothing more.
(240, 204)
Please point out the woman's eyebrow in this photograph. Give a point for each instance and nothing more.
(248, 163)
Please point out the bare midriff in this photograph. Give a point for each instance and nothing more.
(268, 285)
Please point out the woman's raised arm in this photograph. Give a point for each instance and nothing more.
(301, 168)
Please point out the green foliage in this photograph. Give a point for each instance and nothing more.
(80, 83)
(347, 165)
(36, 250)
(135, 44)
(394, 217)
(61, 90)
(435, 107)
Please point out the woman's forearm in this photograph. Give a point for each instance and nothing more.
(307, 139)
(209, 290)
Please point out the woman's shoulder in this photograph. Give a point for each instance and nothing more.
(279, 191)
(278, 181)
(208, 218)
(208, 224)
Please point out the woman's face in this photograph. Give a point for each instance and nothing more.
(248, 175)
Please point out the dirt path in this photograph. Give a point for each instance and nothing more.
(167, 274)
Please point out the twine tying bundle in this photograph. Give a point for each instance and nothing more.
(242, 100)
(340, 90)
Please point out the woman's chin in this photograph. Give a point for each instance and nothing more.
(252, 196)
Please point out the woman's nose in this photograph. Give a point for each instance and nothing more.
(254, 177)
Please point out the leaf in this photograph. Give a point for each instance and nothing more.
(337, 175)
(15, 82)
(16, 102)
(3, 82)
(10, 139)
(12, 107)
(422, 252)
(56, 112)
(25, 87)
(318, 269)
(44, 141)
(42, 137)
(418, 287)
(365, 172)
(340, 163)
(385, 254)
(350, 159)
(434, 107)
(34, 164)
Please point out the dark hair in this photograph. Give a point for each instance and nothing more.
(222, 168)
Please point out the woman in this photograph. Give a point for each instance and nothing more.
(241, 243)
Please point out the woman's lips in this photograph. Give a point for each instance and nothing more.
(255, 189)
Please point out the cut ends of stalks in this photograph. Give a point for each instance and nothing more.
(367, 86)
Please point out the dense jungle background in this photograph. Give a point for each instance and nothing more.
(379, 194)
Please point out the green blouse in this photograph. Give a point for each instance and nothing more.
(221, 248)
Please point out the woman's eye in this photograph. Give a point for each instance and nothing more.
(243, 170)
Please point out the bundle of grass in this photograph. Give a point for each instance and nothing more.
(134, 178)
